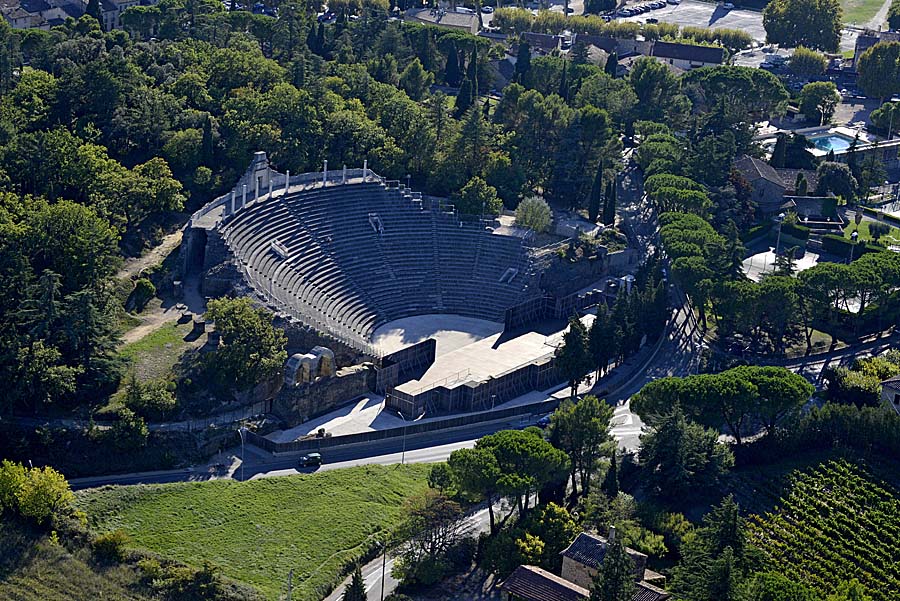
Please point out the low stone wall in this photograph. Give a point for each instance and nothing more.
(295, 405)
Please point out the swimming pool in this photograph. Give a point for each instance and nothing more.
(832, 141)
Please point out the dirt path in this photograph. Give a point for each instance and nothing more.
(170, 309)
(880, 17)
(155, 255)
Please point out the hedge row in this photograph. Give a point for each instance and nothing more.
(840, 246)
(798, 232)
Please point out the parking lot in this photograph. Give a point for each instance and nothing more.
(706, 14)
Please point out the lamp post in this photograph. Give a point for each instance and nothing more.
(780, 219)
(403, 453)
(854, 237)
(241, 432)
(408, 177)
(383, 566)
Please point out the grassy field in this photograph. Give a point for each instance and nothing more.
(257, 531)
(154, 355)
(864, 234)
(34, 569)
(860, 11)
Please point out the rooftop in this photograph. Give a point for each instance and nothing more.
(590, 549)
(444, 17)
(689, 52)
(531, 583)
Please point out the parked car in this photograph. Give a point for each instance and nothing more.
(544, 421)
(728, 6)
(487, 9)
(311, 459)
(673, 1)
(652, 20)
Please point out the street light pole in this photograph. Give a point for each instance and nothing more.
(403, 453)
(778, 241)
(241, 432)
(383, 566)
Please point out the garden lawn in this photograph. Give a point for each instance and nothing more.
(860, 11)
(864, 234)
(257, 531)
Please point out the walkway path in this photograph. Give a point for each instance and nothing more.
(155, 316)
(155, 255)
(880, 17)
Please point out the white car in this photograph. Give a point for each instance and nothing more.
(728, 6)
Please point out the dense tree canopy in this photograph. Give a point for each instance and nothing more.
(815, 24)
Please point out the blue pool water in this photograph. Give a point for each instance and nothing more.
(835, 142)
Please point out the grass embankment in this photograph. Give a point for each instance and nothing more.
(860, 11)
(257, 531)
(32, 568)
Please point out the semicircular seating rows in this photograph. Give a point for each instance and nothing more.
(346, 259)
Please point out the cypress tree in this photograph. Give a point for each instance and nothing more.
(311, 40)
(779, 153)
(451, 73)
(320, 39)
(472, 72)
(486, 110)
(596, 195)
(207, 149)
(465, 98)
(523, 61)
(609, 207)
(612, 64)
(356, 588)
(563, 82)
(579, 53)
(93, 10)
(614, 580)
(610, 486)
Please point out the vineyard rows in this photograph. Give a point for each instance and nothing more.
(836, 522)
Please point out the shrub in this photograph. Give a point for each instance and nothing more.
(534, 213)
(153, 400)
(111, 546)
(43, 494)
(12, 478)
(144, 290)
(798, 232)
(130, 431)
(848, 386)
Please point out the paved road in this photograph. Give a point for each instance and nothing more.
(814, 366)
